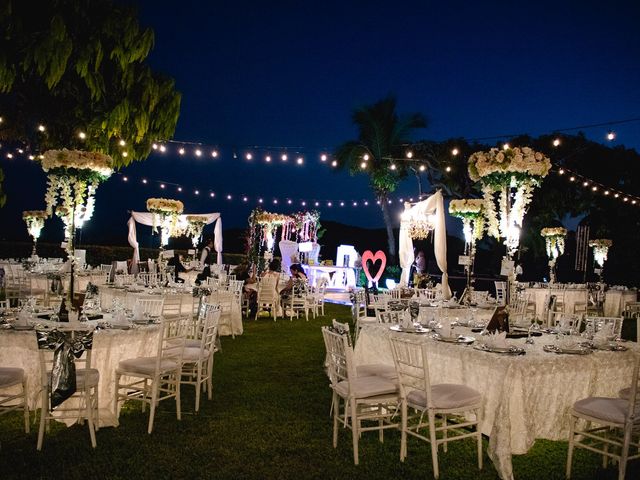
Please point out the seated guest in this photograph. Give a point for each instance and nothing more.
(206, 259)
(298, 278)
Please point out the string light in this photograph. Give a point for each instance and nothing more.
(198, 152)
(561, 171)
(214, 154)
(393, 166)
(122, 143)
(299, 161)
(154, 146)
(179, 189)
(162, 185)
(303, 203)
(181, 151)
(228, 197)
(125, 179)
(289, 201)
(572, 178)
(125, 154)
(82, 135)
(448, 169)
(197, 192)
(455, 152)
(556, 142)
(284, 157)
(9, 155)
(409, 154)
(611, 135)
(31, 157)
(20, 151)
(365, 157)
(211, 194)
(422, 168)
(259, 200)
(248, 156)
(144, 180)
(505, 146)
(163, 148)
(334, 163)
(244, 199)
(41, 128)
(363, 165)
(267, 158)
(323, 157)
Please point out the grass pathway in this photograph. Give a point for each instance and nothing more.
(269, 419)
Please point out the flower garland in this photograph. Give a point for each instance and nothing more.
(471, 211)
(508, 177)
(35, 222)
(195, 226)
(165, 215)
(600, 250)
(65, 215)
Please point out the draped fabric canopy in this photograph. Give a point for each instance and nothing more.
(146, 218)
(433, 209)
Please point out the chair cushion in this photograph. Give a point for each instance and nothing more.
(146, 365)
(379, 369)
(604, 408)
(446, 396)
(363, 387)
(10, 376)
(192, 354)
(625, 393)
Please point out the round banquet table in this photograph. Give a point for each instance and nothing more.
(524, 397)
(20, 349)
(189, 303)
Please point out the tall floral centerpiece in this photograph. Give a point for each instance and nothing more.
(600, 250)
(508, 179)
(166, 214)
(195, 226)
(554, 242)
(35, 223)
(471, 212)
(73, 177)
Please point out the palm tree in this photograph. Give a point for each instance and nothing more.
(382, 137)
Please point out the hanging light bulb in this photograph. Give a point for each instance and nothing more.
(303, 203)
(448, 169)
(366, 203)
(214, 154)
(455, 152)
(334, 163)
(163, 148)
(284, 157)
(289, 201)
(179, 189)
(198, 152)
(409, 154)
(365, 157)
(82, 135)
(125, 179)
(561, 171)
(162, 185)
(181, 151)
(422, 168)
(154, 146)
(125, 154)
(248, 156)
(611, 135)
(556, 142)
(41, 128)
(299, 160)
(363, 165)
(144, 180)
(244, 199)
(122, 143)
(212, 194)
(267, 158)
(393, 166)
(197, 192)
(323, 157)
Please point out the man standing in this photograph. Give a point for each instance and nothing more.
(205, 262)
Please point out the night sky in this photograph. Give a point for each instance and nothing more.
(290, 74)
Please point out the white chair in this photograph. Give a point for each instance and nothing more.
(10, 379)
(566, 322)
(267, 297)
(359, 309)
(617, 430)
(149, 306)
(596, 324)
(298, 301)
(317, 295)
(172, 306)
(87, 380)
(366, 399)
(197, 361)
(225, 300)
(518, 312)
(153, 379)
(417, 393)
(393, 317)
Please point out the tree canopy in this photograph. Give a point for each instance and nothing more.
(78, 66)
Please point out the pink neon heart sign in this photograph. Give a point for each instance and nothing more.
(370, 256)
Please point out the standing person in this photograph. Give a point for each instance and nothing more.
(205, 262)
(418, 276)
(176, 261)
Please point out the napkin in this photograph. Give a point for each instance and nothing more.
(567, 342)
(445, 331)
(604, 334)
(407, 322)
(496, 340)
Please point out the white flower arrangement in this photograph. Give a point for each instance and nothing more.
(554, 241)
(497, 164)
(471, 211)
(165, 215)
(99, 163)
(500, 172)
(195, 225)
(35, 222)
(419, 229)
(600, 250)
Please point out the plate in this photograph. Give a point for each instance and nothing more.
(400, 328)
(21, 328)
(142, 322)
(606, 348)
(503, 351)
(458, 339)
(577, 350)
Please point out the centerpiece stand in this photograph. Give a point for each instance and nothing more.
(471, 213)
(554, 243)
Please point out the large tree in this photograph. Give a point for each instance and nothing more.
(78, 68)
(382, 141)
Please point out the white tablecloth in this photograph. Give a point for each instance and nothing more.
(107, 294)
(524, 397)
(20, 349)
(337, 277)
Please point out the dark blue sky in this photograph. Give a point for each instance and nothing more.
(290, 74)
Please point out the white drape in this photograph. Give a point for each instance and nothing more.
(146, 218)
(288, 249)
(433, 206)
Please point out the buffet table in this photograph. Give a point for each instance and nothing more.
(524, 397)
(20, 349)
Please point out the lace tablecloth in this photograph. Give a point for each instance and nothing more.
(20, 349)
(524, 397)
(107, 294)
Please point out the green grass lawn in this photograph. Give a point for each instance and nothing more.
(269, 419)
